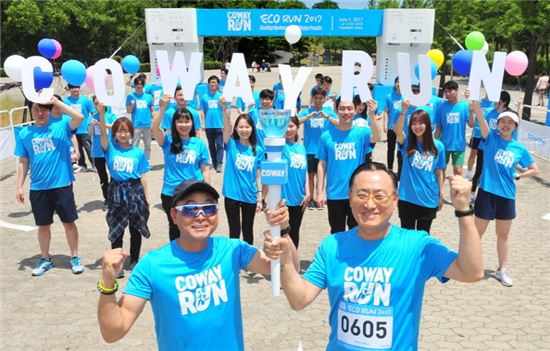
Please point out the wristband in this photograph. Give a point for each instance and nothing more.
(286, 230)
(106, 291)
(464, 213)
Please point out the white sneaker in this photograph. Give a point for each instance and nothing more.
(77, 169)
(503, 277)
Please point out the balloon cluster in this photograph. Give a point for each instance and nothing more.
(74, 72)
(515, 64)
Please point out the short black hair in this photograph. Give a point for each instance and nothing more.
(252, 78)
(139, 80)
(451, 85)
(318, 91)
(327, 79)
(319, 76)
(267, 94)
(213, 78)
(505, 97)
(371, 167)
(70, 86)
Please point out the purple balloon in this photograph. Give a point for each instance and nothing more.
(58, 49)
(462, 62)
(47, 48)
(42, 79)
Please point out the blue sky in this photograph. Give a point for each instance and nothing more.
(343, 4)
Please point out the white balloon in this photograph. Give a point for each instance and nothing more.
(485, 48)
(13, 66)
(293, 33)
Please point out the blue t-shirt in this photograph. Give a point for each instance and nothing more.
(393, 101)
(48, 149)
(500, 158)
(185, 165)
(453, 120)
(343, 152)
(239, 178)
(85, 106)
(242, 105)
(213, 114)
(295, 189)
(125, 164)
(375, 288)
(418, 183)
(141, 115)
(485, 105)
(278, 90)
(169, 114)
(195, 296)
(97, 150)
(314, 127)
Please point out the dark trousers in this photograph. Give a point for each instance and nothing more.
(479, 168)
(234, 209)
(392, 138)
(84, 145)
(135, 244)
(417, 224)
(295, 214)
(339, 214)
(99, 163)
(215, 145)
(399, 164)
(173, 230)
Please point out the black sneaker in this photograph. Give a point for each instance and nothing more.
(312, 205)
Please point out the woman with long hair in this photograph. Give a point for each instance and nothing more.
(241, 179)
(128, 200)
(421, 183)
(296, 190)
(185, 155)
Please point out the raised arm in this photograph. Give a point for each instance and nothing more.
(157, 131)
(399, 125)
(475, 108)
(226, 121)
(116, 317)
(103, 126)
(468, 266)
(76, 117)
(376, 131)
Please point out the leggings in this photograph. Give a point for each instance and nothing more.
(135, 244)
(295, 214)
(479, 168)
(233, 210)
(392, 138)
(84, 146)
(173, 230)
(103, 176)
(339, 213)
(418, 224)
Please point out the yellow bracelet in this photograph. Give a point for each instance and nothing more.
(106, 291)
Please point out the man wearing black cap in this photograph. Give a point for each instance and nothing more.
(192, 282)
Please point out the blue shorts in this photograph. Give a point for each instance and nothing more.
(490, 206)
(45, 202)
(312, 163)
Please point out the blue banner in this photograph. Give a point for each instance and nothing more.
(273, 22)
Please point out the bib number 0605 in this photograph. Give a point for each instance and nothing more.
(367, 328)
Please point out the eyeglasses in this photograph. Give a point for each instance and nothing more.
(195, 210)
(377, 198)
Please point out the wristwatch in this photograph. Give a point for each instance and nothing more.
(286, 230)
(464, 213)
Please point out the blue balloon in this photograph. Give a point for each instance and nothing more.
(74, 72)
(47, 48)
(462, 62)
(131, 64)
(433, 67)
(42, 79)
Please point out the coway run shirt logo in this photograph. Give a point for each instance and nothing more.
(198, 291)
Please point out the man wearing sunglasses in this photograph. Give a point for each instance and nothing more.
(192, 283)
(375, 273)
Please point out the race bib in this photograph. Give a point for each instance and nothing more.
(365, 327)
(141, 104)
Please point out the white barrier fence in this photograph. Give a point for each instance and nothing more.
(536, 138)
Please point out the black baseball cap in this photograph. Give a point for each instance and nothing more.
(191, 186)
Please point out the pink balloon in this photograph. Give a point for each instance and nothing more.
(58, 49)
(516, 63)
(89, 78)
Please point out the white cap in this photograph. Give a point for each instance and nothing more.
(510, 114)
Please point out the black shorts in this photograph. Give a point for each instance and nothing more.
(410, 210)
(490, 206)
(312, 163)
(60, 200)
(474, 143)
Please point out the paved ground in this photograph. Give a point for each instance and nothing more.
(58, 311)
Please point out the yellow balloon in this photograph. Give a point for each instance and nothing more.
(437, 56)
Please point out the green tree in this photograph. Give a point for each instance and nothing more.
(326, 4)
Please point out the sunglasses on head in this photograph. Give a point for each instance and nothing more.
(195, 210)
